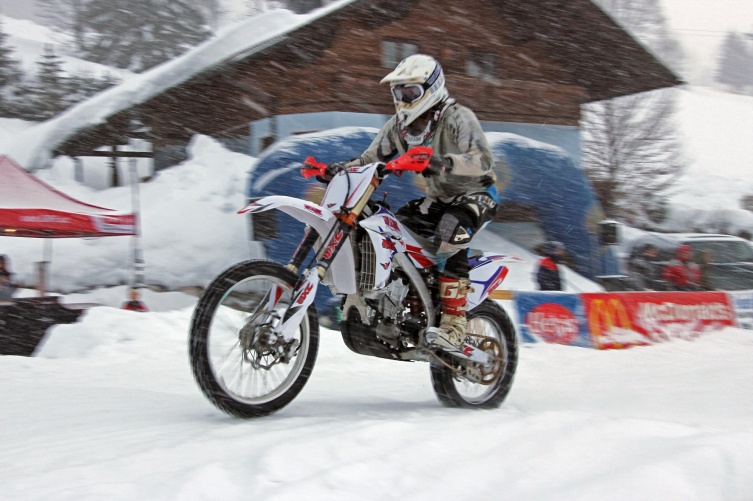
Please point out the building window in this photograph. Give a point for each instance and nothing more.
(481, 64)
(395, 51)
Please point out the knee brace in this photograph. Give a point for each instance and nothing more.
(456, 227)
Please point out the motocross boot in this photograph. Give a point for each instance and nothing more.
(453, 293)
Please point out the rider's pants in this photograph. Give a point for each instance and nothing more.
(452, 225)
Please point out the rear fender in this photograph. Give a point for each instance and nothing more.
(488, 271)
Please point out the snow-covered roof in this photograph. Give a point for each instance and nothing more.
(32, 147)
(579, 38)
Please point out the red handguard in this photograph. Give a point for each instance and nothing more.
(415, 160)
(311, 168)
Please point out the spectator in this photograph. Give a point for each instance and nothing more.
(644, 269)
(706, 282)
(548, 272)
(681, 273)
(135, 304)
(7, 285)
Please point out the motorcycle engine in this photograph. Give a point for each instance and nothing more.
(391, 303)
(384, 308)
(392, 308)
(372, 323)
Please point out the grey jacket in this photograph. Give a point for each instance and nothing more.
(458, 137)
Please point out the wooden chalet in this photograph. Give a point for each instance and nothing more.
(511, 61)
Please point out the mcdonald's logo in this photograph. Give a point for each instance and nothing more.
(604, 315)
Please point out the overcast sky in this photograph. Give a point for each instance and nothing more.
(701, 25)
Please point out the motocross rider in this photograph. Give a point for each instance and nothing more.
(461, 195)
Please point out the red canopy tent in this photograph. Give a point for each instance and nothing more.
(32, 208)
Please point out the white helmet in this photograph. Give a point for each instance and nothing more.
(417, 85)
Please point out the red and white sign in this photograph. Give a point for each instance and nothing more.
(620, 319)
(553, 323)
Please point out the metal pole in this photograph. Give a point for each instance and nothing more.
(43, 268)
(137, 281)
(114, 167)
(78, 169)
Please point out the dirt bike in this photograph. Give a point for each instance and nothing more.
(254, 334)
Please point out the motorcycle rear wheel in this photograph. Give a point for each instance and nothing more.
(487, 319)
(233, 369)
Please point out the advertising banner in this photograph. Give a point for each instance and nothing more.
(552, 317)
(743, 303)
(620, 319)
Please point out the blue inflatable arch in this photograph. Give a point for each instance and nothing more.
(545, 179)
(536, 175)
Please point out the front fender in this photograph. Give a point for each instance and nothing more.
(308, 213)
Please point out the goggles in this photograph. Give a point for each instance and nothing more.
(407, 93)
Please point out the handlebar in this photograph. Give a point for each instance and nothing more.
(414, 160)
(312, 168)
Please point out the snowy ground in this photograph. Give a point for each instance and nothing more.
(108, 410)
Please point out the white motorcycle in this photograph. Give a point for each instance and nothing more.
(254, 334)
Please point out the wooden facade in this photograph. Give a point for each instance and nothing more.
(551, 56)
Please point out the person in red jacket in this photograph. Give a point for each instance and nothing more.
(548, 271)
(135, 303)
(681, 273)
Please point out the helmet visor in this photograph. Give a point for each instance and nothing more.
(407, 93)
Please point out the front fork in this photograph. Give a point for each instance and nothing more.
(303, 249)
(305, 292)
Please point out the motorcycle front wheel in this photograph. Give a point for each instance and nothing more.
(489, 323)
(237, 361)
